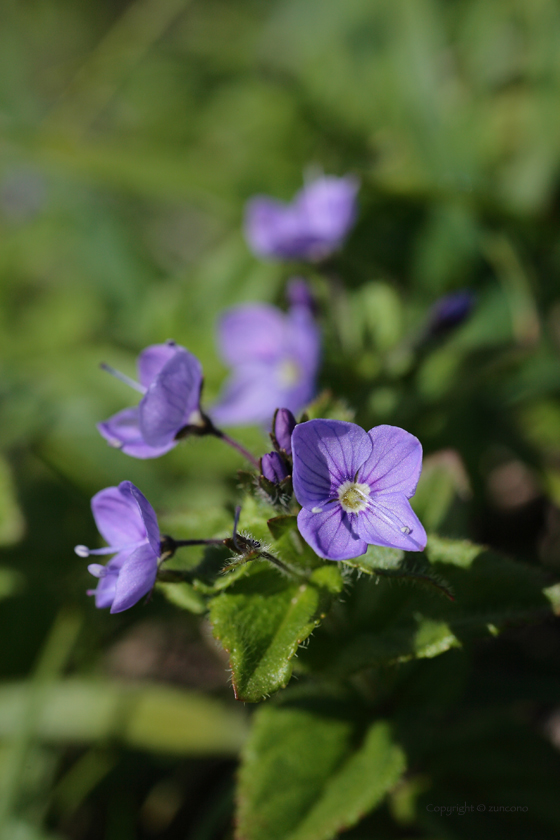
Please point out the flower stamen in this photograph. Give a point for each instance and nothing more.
(122, 377)
(353, 496)
(289, 373)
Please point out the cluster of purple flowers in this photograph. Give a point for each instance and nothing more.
(353, 486)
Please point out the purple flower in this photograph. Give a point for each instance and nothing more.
(310, 228)
(274, 468)
(354, 487)
(127, 521)
(274, 355)
(284, 425)
(170, 381)
(450, 311)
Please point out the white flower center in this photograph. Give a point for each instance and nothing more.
(289, 373)
(353, 496)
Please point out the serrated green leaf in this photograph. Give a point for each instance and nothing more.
(391, 563)
(302, 777)
(393, 623)
(358, 787)
(263, 617)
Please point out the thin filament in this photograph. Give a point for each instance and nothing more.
(380, 511)
(122, 377)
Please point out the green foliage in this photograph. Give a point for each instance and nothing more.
(132, 135)
(184, 596)
(11, 518)
(147, 717)
(310, 770)
(263, 618)
(409, 615)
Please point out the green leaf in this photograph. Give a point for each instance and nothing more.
(184, 595)
(388, 623)
(377, 557)
(149, 717)
(263, 617)
(457, 552)
(391, 563)
(302, 777)
(442, 481)
(280, 525)
(12, 524)
(11, 582)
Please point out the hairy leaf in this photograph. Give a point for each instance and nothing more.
(263, 617)
(310, 771)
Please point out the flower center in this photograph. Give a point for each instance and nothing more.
(353, 496)
(289, 373)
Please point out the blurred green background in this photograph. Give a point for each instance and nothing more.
(131, 135)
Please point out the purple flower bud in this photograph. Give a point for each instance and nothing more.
(170, 381)
(450, 311)
(284, 425)
(310, 228)
(354, 487)
(274, 468)
(127, 521)
(298, 293)
(274, 356)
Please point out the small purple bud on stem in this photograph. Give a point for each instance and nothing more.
(299, 293)
(450, 311)
(274, 468)
(284, 425)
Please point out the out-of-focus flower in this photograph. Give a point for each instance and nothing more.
(170, 381)
(298, 293)
(450, 311)
(274, 468)
(127, 521)
(310, 228)
(354, 487)
(284, 425)
(274, 356)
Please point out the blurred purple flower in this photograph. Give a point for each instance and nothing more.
(310, 228)
(127, 521)
(284, 425)
(274, 356)
(354, 487)
(450, 311)
(274, 468)
(170, 381)
(298, 293)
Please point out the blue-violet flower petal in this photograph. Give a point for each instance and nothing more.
(310, 228)
(275, 357)
(354, 487)
(274, 468)
(129, 524)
